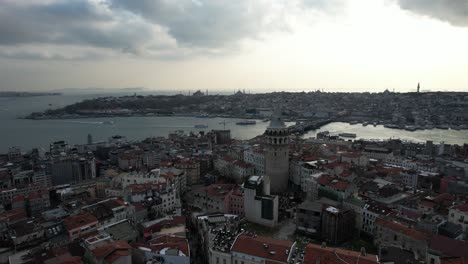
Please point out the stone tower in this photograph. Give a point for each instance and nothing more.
(277, 153)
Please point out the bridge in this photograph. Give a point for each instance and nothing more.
(304, 127)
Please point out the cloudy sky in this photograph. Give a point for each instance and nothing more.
(261, 45)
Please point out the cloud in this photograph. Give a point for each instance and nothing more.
(153, 28)
(452, 11)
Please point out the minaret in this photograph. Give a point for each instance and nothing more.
(277, 153)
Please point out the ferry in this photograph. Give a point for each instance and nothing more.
(390, 126)
(411, 128)
(353, 122)
(347, 135)
(201, 126)
(246, 122)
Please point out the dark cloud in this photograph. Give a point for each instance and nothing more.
(70, 22)
(453, 11)
(211, 23)
(142, 27)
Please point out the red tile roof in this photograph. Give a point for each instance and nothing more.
(113, 251)
(168, 241)
(428, 203)
(462, 208)
(328, 255)
(454, 260)
(333, 183)
(402, 229)
(79, 220)
(143, 187)
(64, 259)
(254, 246)
(13, 215)
(449, 247)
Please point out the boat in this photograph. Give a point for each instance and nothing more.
(200, 126)
(365, 124)
(246, 122)
(353, 122)
(442, 127)
(390, 126)
(410, 128)
(348, 135)
(375, 124)
(266, 120)
(108, 122)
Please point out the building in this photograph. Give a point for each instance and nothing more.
(389, 233)
(141, 178)
(80, 224)
(441, 247)
(252, 249)
(256, 157)
(72, 169)
(107, 211)
(118, 252)
(334, 188)
(224, 198)
(322, 254)
(234, 169)
(259, 206)
(166, 249)
(370, 212)
(458, 214)
(337, 225)
(277, 153)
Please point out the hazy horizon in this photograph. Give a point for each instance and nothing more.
(261, 46)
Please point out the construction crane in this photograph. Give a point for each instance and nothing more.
(224, 124)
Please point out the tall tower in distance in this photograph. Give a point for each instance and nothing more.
(277, 153)
(418, 87)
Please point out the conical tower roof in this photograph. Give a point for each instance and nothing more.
(276, 119)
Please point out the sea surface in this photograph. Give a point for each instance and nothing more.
(28, 134)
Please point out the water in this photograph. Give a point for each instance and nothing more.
(28, 134)
(380, 132)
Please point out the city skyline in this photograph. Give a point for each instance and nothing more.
(261, 46)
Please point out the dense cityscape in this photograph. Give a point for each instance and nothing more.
(205, 197)
(234, 132)
(410, 111)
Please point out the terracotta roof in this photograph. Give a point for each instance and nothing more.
(329, 255)
(167, 242)
(113, 251)
(333, 182)
(17, 199)
(462, 208)
(217, 190)
(173, 221)
(79, 220)
(454, 260)
(428, 203)
(402, 229)
(449, 247)
(143, 187)
(13, 215)
(255, 246)
(64, 259)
